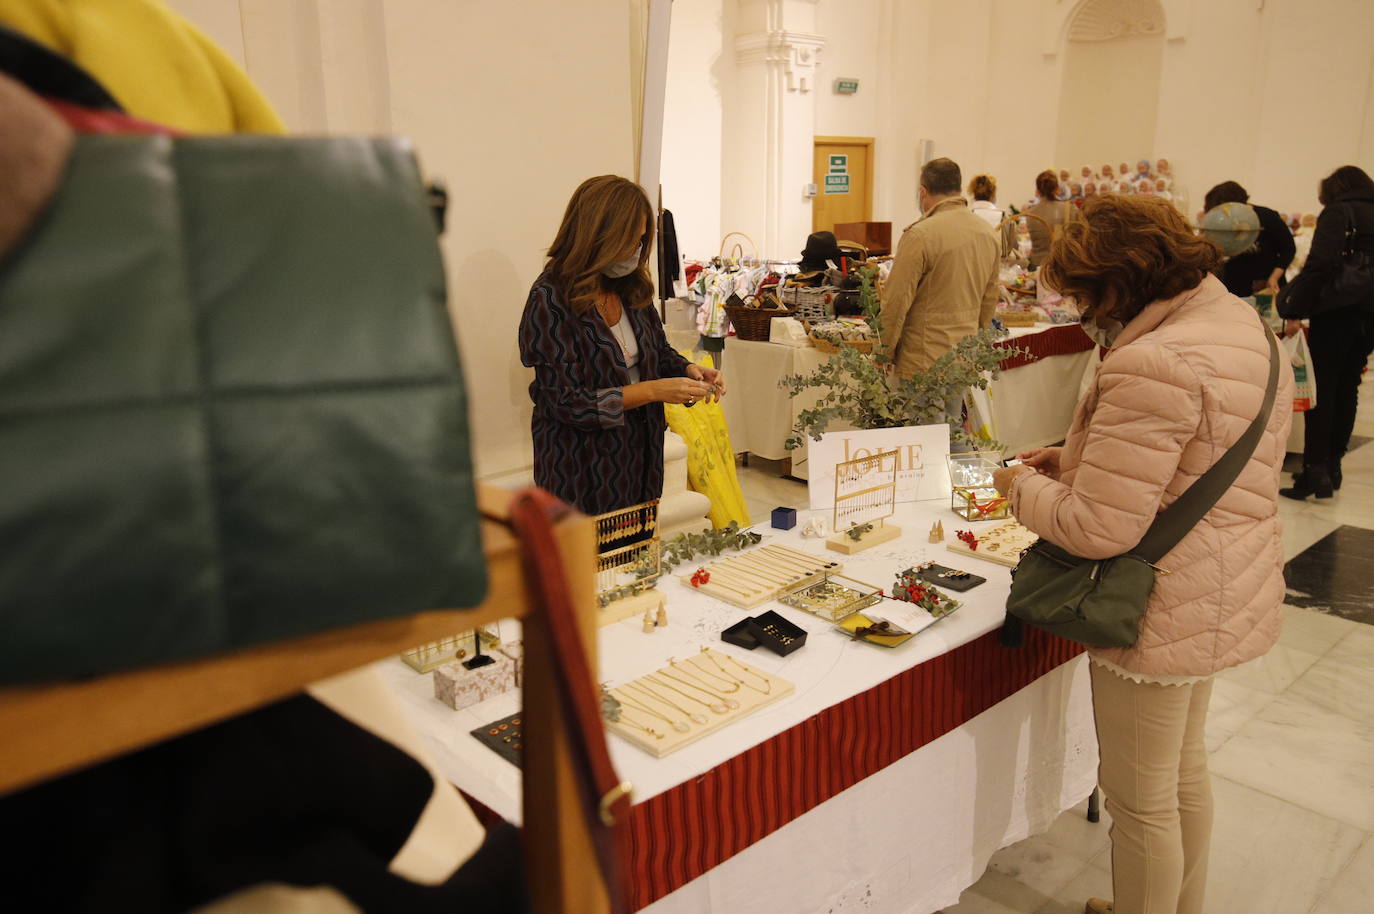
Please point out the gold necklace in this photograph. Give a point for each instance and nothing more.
(639, 684)
(637, 725)
(743, 669)
(705, 672)
(725, 700)
(721, 705)
(680, 726)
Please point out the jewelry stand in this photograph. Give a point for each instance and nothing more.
(629, 557)
(865, 493)
(479, 659)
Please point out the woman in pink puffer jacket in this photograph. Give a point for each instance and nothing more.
(1184, 377)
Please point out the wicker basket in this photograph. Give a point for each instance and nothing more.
(831, 347)
(812, 303)
(753, 324)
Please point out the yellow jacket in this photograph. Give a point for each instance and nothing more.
(158, 66)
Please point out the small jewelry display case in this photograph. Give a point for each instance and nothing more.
(972, 494)
(833, 598)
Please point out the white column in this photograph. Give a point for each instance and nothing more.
(769, 124)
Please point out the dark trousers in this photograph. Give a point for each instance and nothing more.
(1341, 342)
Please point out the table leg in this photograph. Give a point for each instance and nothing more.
(1095, 806)
(787, 466)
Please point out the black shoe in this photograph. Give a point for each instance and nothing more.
(1334, 469)
(1311, 481)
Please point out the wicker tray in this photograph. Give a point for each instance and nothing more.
(752, 324)
(831, 347)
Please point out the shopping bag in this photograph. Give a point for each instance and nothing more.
(1305, 383)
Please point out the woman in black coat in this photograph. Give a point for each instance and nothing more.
(602, 367)
(1341, 338)
(1261, 268)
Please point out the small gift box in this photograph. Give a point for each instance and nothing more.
(459, 687)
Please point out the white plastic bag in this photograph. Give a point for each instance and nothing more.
(1305, 389)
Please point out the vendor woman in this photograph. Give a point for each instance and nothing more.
(602, 366)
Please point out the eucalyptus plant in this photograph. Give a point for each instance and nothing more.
(864, 390)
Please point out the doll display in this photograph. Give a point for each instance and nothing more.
(1162, 189)
(1089, 190)
(1108, 175)
(1124, 174)
(1142, 170)
(1162, 169)
(1087, 175)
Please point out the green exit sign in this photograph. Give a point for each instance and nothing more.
(846, 86)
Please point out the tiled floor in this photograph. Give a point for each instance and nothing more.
(1291, 736)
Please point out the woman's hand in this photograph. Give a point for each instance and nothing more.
(709, 376)
(1003, 477)
(680, 390)
(1043, 460)
(1292, 328)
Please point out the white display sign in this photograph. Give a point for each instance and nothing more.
(922, 473)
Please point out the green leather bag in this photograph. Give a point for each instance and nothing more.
(1100, 602)
(231, 407)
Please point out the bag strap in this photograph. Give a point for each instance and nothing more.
(1173, 524)
(605, 798)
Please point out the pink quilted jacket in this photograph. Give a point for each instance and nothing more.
(1181, 384)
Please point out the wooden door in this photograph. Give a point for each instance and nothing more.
(843, 171)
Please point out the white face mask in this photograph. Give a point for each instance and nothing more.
(1102, 336)
(623, 267)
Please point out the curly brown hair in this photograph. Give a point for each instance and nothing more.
(1125, 253)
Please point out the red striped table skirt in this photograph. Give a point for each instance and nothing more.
(684, 832)
(1064, 339)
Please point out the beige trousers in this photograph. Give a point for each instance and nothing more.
(1153, 770)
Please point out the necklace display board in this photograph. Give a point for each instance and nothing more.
(759, 575)
(687, 699)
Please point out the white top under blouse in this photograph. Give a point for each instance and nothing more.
(629, 346)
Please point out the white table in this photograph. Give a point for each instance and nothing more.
(1032, 405)
(916, 833)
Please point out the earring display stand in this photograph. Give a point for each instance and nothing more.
(753, 689)
(865, 493)
(628, 563)
(759, 575)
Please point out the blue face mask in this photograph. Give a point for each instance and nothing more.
(623, 268)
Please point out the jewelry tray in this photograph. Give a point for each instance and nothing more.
(749, 702)
(507, 726)
(932, 572)
(832, 598)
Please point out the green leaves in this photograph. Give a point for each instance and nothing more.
(687, 546)
(863, 389)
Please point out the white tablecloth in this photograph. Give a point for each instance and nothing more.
(1032, 405)
(916, 833)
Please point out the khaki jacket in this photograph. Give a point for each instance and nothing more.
(1180, 386)
(943, 285)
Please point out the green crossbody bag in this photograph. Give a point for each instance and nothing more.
(1100, 602)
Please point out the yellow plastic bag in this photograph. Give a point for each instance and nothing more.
(710, 459)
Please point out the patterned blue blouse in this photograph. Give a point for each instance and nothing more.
(588, 449)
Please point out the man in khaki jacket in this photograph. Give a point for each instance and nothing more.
(943, 285)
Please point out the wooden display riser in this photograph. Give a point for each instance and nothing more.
(1011, 538)
(649, 600)
(749, 701)
(841, 542)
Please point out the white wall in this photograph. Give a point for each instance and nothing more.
(514, 111)
(700, 63)
(1274, 95)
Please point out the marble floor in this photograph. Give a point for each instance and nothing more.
(1291, 736)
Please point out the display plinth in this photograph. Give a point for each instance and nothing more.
(842, 542)
(628, 607)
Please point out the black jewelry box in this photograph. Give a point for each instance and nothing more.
(776, 633)
(739, 635)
